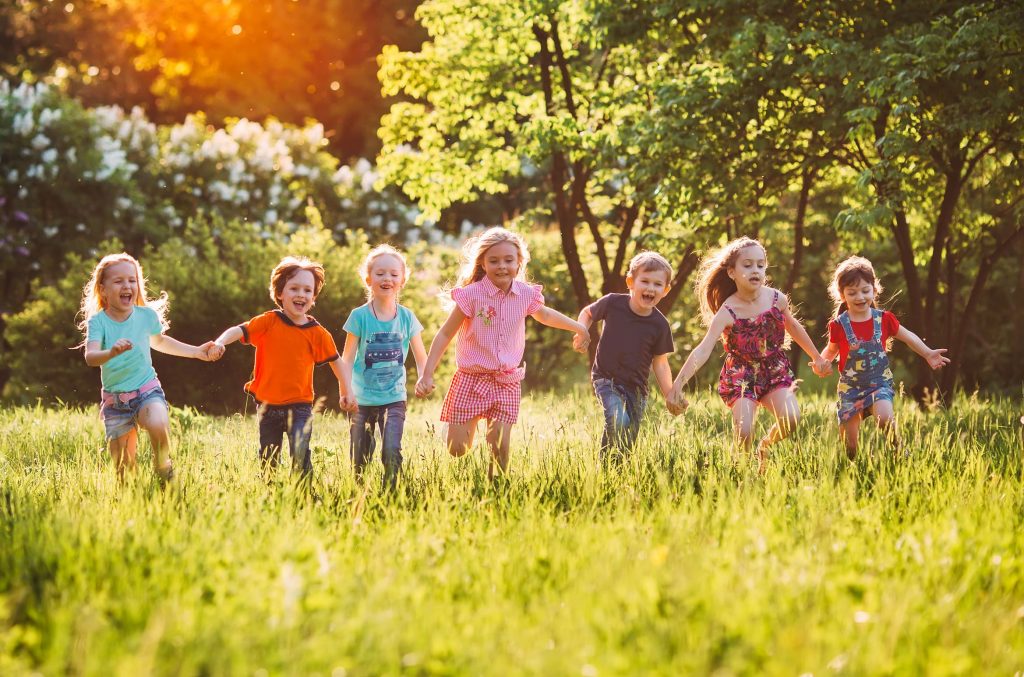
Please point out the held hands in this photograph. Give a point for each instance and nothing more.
(210, 351)
(581, 341)
(676, 401)
(348, 403)
(936, 359)
(821, 367)
(425, 386)
(120, 346)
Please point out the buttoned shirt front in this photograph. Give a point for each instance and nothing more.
(492, 338)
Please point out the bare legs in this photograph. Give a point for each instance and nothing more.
(783, 405)
(154, 420)
(460, 441)
(883, 413)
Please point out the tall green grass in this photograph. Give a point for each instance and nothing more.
(679, 562)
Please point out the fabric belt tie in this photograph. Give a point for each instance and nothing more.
(110, 398)
(509, 376)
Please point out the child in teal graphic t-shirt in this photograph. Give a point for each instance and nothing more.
(379, 335)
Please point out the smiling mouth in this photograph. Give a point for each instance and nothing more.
(649, 298)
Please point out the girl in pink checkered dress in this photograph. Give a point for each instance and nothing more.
(491, 302)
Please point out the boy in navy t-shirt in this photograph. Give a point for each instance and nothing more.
(635, 338)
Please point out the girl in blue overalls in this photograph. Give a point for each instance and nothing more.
(860, 334)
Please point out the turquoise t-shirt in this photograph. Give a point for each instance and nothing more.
(378, 376)
(133, 368)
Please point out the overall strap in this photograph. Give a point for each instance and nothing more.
(876, 316)
(844, 322)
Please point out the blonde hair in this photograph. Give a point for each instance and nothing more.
(374, 254)
(714, 285)
(848, 273)
(475, 248)
(286, 270)
(92, 296)
(645, 261)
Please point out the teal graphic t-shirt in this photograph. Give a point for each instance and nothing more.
(378, 376)
(133, 368)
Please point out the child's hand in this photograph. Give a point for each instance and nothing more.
(676, 402)
(581, 341)
(424, 386)
(348, 403)
(936, 359)
(120, 346)
(821, 367)
(214, 351)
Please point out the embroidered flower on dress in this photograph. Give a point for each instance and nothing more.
(487, 313)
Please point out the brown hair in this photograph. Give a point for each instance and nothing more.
(848, 273)
(92, 297)
(714, 285)
(645, 261)
(286, 270)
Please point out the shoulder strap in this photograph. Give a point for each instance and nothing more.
(844, 322)
(730, 311)
(775, 299)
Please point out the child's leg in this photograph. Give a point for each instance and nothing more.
(460, 437)
(849, 431)
(616, 416)
(300, 430)
(783, 404)
(122, 451)
(744, 410)
(499, 436)
(361, 437)
(155, 421)
(272, 424)
(391, 452)
(883, 412)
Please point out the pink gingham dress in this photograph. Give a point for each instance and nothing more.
(489, 351)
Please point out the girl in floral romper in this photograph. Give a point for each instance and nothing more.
(752, 320)
(860, 334)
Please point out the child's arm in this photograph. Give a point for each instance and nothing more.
(696, 359)
(230, 335)
(550, 317)
(172, 346)
(425, 384)
(419, 353)
(663, 375)
(586, 319)
(820, 365)
(346, 401)
(829, 353)
(348, 358)
(934, 357)
(94, 357)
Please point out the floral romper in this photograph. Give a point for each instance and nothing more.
(755, 362)
(866, 378)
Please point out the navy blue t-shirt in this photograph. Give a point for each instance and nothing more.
(629, 342)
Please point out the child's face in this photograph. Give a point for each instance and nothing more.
(501, 264)
(859, 296)
(119, 287)
(297, 296)
(750, 268)
(647, 288)
(386, 276)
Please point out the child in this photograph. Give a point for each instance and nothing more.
(860, 334)
(491, 302)
(121, 325)
(379, 335)
(635, 336)
(752, 321)
(289, 344)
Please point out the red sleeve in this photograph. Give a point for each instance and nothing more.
(890, 326)
(836, 333)
(462, 301)
(327, 350)
(256, 327)
(536, 299)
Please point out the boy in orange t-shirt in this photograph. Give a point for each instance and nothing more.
(289, 344)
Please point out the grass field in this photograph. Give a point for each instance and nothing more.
(678, 563)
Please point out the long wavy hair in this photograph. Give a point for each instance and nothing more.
(92, 295)
(473, 252)
(849, 273)
(714, 285)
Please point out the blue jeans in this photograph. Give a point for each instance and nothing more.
(623, 410)
(297, 421)
(389, 419)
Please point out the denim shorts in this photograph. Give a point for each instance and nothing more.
(120, 418)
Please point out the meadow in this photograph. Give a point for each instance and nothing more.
(681, 561)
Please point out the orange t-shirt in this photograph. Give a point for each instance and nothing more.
(285, 356)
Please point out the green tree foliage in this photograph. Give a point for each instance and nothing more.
(237, 58)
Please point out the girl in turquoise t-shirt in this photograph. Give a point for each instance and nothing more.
(380, 333)
(120, 326)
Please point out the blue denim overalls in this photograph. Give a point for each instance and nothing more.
(866, 378)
